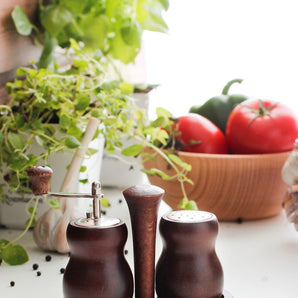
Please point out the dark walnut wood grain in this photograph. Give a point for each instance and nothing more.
(188, 266)
(143, 203)
(97, 266)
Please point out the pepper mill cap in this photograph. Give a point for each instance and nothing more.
(103, 222)
(189, 216)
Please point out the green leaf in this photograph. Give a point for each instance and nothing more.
(41, 141)
(191, 205)
(3, 242)
(15, 141)
(31, 210)
(84, 181)
(148, 155)
(165, 4)
(132, 150)
(74, 131)
(21, 71)
(126, 88)
(131, 32)
(161, 174)
(176, 159)
(161, 121)
(54, 18)
(33, 223)
(54, 203)
(80, 64)
(91, 151)
(20, 121)
(16, 162)
(183, 203)
(21, 21)
(163, 137)
(64, 121)
(77, 6)
(14, 255)
(161, 112)
(150, 17)
(83, 169)
(1, 136)
(96, 113)
(72, 142)
(105, 202)
(121, 50)
(83, 102)
(95, 29)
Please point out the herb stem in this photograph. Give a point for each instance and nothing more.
(180, 174)
(28, 225)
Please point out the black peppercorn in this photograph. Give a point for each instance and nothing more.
(239, 220)
(12, 283)
(62, 270)
(125, 251)
(35, 266)
(120, 201)
(48, 258)
(38, 273)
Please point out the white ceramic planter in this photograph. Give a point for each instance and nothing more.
(13, 214)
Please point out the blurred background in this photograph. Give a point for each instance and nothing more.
(211, 42)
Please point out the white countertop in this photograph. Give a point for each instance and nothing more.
(259, 259)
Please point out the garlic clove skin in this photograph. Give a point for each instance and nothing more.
(289, 171)
(45, 229)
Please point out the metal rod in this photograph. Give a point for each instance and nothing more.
(97, 195)
(70, 195)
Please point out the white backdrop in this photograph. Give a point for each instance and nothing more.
(211, 42)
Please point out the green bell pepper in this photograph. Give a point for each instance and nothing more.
(217, 109)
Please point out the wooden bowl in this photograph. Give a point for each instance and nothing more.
(233, 187)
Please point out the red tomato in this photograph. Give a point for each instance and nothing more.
(205, 136)
(265, 126)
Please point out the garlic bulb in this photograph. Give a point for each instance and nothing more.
(50, 230)
(289, 171)
(290, 176)
(291, 208)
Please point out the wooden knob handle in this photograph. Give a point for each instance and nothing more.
(40, 177)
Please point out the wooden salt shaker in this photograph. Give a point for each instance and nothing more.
(188, 266)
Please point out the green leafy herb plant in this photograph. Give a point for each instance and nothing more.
(51, 109)
(114, 27)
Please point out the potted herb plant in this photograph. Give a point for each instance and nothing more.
(46, 93)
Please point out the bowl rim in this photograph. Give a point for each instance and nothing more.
(234, 156)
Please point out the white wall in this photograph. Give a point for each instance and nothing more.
(213, 41)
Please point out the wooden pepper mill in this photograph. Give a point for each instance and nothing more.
(188, 266)
(97, 266)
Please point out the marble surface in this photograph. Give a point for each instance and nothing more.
(259, 258)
